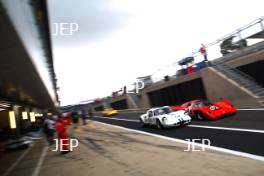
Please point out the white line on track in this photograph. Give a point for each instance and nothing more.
(256, 109)
(229, 129)
(198, 126)
(242, 154)
(40, 161)
(129, 120)
(11, 168)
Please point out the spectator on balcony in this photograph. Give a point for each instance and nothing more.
(203, 52)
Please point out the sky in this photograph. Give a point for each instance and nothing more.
(120, 40)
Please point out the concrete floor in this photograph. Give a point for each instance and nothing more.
(104, 150)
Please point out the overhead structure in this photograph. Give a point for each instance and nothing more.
(27, 74)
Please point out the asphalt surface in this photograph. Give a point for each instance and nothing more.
(243, 141)
(248, 119)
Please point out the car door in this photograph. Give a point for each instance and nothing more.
(195, 107)
(156, 115)
(191, 108)
(149, 115)
(185, 105)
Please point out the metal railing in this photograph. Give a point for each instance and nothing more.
(239, 33)
(210, 48)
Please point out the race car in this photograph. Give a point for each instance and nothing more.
(109, 112)
(200, 109)
(163, 117)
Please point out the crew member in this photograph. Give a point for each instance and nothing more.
(62, 135)
(49, 128)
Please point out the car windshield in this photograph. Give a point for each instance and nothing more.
(185, 105)
(158, 112)
(166, 110)
(202, 103)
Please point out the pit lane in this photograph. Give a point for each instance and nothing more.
(245, 134)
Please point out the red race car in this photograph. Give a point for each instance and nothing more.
(201, 109)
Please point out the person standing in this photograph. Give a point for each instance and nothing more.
(75, 119)
(83, 116)
(68, 120)
(90, 112)
(49, 129)
(204, 52)
(62, 135)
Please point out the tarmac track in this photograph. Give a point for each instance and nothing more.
(236, 137)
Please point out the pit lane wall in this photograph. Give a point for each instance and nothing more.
(207, 83)
(215, 86)
(218, 86)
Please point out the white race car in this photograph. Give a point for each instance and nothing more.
(163, 117)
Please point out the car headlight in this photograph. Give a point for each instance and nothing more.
(164, 119)
(213, 108)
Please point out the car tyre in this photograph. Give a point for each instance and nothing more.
(142, 124)
(158, 124)
(199, 116)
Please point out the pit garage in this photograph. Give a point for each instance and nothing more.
(255, 70)
(177, 94)
(121, 104)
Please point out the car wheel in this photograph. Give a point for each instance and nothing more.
(199, 116)
(142, 124)
(158, 124)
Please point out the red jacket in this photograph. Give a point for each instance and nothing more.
(61, 129)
